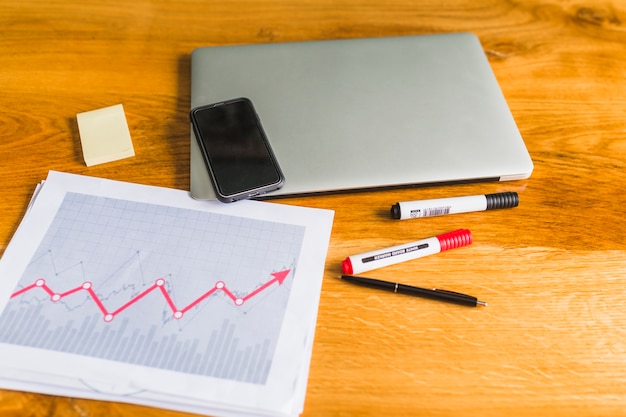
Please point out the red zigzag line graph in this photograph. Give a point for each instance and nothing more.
(278, 277)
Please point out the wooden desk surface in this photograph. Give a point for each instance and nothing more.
(552, 341)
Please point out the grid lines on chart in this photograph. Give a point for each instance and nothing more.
(122, 248)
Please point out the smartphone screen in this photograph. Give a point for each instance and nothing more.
(236, 150)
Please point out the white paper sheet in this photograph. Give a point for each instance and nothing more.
(140, 294)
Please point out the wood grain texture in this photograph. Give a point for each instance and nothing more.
(552, 341)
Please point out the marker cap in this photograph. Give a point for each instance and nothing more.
(502, 200)
(346, 266)
(455, 239)
(396, 213)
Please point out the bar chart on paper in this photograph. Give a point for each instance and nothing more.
(176, 289)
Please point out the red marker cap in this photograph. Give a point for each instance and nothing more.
(455, 239)
(346, 266)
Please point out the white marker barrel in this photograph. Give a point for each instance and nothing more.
(453, 205)
(367, 261)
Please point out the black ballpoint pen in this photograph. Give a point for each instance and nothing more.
(434, 294)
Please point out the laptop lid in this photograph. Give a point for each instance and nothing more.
(364, 114)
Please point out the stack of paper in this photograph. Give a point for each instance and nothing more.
(138, 294)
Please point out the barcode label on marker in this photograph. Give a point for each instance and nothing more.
(430, 212)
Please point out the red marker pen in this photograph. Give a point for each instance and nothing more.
(367, 261)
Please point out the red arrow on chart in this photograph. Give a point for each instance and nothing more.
(278, 277)
(159, 285)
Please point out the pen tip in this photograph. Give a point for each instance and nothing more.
(481, 303)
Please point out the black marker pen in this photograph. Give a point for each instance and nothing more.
(453, 205)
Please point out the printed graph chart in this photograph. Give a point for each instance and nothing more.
(151, 285)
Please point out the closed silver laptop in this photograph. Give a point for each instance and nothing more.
(363, 114)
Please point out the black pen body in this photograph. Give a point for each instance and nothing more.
(440, 295)
(434, 294)
(371, 283)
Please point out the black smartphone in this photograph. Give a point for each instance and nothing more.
(236, 151)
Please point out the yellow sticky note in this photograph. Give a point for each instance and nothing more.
(104, 135)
